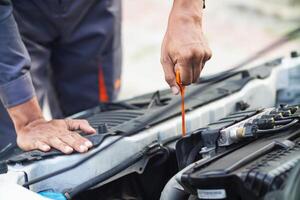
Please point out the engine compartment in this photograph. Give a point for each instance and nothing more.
(139, 151)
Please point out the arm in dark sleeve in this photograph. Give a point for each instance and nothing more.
(15, 81)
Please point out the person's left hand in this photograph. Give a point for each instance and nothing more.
(184, 46)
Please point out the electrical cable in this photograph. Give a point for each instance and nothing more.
(283, 122)
(282, 128)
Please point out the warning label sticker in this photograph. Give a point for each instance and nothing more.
(211, 194)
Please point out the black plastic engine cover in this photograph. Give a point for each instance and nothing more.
(245, 171)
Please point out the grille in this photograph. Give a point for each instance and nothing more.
(113, 118)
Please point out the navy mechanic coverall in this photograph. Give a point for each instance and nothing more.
(66, 50)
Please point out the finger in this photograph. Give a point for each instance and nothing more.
(170, 78)
(207, 53)
(77, 142)
(207, 56)
(56, 143)
(197, 66)
(72, 142)
(83, 125)
(197, 70)
(82, 140)
(42, 146)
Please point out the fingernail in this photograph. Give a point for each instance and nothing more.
(92, 129)
(45, 148)
(83, 148)
(68, 149)
(175, 90)
(88, 144)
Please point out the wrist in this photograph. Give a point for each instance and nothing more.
(200, 4)
(187, 10)
(25, 113)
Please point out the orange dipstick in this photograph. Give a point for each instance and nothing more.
(182, 89)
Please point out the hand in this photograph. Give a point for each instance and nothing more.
(59, 134)
(184, 46)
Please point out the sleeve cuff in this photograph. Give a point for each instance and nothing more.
(17, 91)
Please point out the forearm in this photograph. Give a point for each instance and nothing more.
(25, 113)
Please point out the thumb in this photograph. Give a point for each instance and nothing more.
(170, 78)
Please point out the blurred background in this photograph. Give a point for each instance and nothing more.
(235, 30)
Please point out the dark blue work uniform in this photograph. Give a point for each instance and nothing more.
(75, 51)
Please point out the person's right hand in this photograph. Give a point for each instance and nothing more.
(184, 47)
(59, 134)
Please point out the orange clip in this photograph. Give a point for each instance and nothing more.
(182, 89)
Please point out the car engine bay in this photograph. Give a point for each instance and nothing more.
(242, 142)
